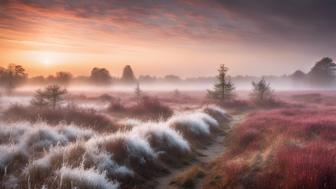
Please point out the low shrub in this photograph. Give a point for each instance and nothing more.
(287, 148)
(312, 166)
(169, 144)
(151, 108)
(196, 126)
(84, 117)
(40, 155)
(116, 106)
(84, 179)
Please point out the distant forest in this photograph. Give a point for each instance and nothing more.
(322, 73)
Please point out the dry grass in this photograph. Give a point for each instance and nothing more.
(148, 108)
(66, 156)
(88, 118)
(287, 148)
(188, 178)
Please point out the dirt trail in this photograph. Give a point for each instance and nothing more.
(207, 155)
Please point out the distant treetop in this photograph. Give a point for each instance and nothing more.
(323, 72)
(128, 75)
(100, 76)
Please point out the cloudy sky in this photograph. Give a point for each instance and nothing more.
(158, 37)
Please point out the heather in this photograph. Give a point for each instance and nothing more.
(285, 148)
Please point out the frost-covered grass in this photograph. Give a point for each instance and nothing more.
(131, 122)
(217, 113)
(85, 179)
(86, 118)
(40, 135)
(40, 155)
(26, 140)
(194, 125)
(160, 135)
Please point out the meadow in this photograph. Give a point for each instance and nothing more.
(162, 141)
(107, 144)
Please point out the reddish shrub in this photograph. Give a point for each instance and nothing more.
(86, 118)
(116, 106)
(310, 167)
(289, 148)
(152, 108)
(237, 104)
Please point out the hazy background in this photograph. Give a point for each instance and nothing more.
(183, 37)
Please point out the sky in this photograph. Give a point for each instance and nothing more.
(188, 38)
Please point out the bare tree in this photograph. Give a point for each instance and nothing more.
(223, 88)
(52, 95)
(39, 100)
(262, 92)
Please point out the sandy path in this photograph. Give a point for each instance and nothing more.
(207, 155)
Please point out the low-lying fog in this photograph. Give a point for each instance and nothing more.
(23, 94)
(182, 86)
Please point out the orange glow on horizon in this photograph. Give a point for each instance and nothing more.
(50, 38)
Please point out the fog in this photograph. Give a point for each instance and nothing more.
(171, 87)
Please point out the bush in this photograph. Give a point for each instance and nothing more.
(196, 127)
(167, 142)
(310, 167)
(151, 108)
(86, 118)
(286, 148)
(66, 156)
(84, 179)
(116, 106)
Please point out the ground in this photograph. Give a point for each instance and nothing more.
(169, 141)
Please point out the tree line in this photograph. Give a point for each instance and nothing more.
(323, 73)
(15, 75)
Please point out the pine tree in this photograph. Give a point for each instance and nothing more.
(138, 92)
(224, 88)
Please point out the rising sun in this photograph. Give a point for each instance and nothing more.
(46, 61)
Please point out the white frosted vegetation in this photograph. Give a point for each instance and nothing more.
(160, 132)
(132, 143)
(130, 122)
(40, 135)
(81, 153)
(104, 162)
(85, 178)
(198, 123)
(9, 153)
(64, 150)
(217, 109)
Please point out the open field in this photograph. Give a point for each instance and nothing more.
(102, 145)
(96, 141)
(167, 94)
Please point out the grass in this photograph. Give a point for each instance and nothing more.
(188, 178)
(148, 108)
(53, 154)
(285, 148)
(88, 118)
